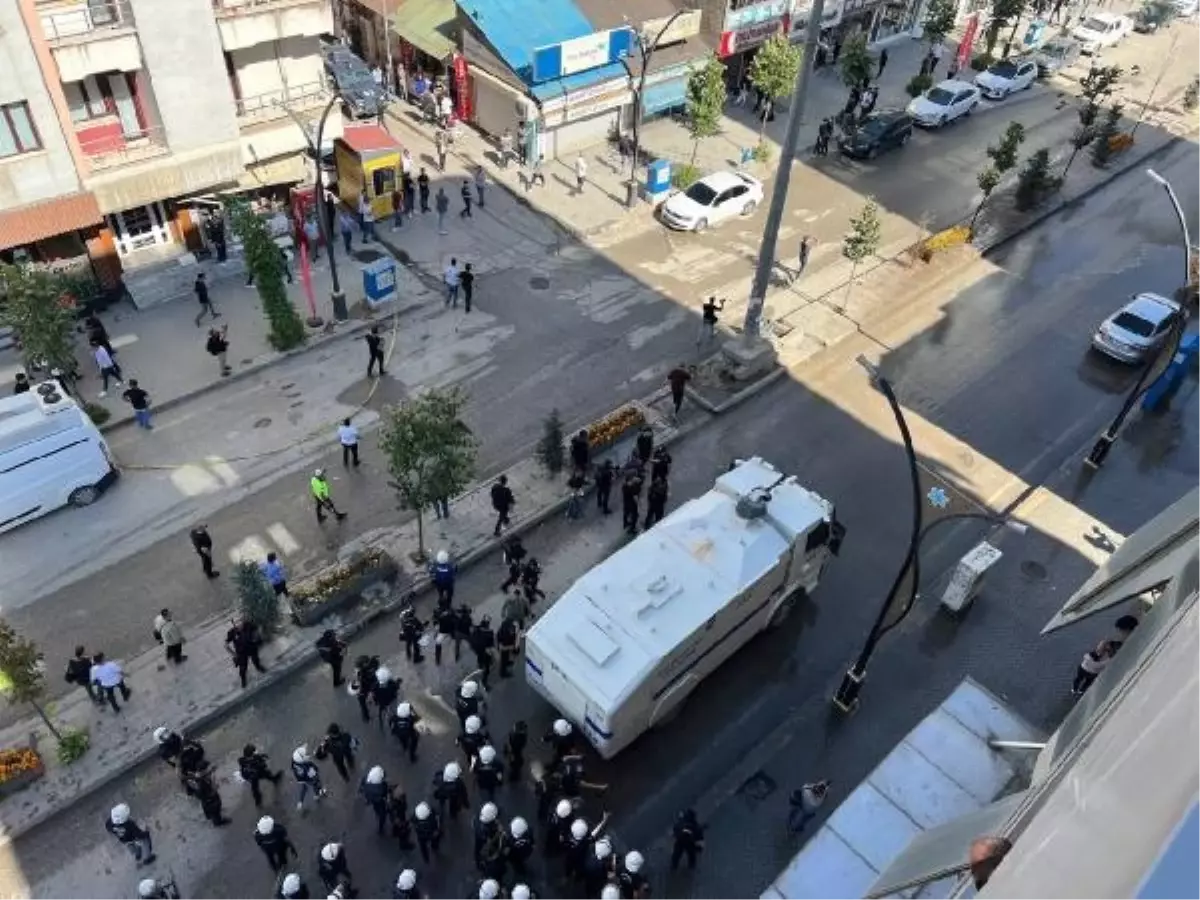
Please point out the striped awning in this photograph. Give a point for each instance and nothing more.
(37, 221)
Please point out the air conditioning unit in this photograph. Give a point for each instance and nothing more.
(51, 398)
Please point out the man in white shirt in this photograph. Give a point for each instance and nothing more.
(452, 281)
(406, 163)
(108, 368)
(580, 173)
(348, 437)
(377, 76)
(110, 678)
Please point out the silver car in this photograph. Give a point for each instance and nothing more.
(1137, 329)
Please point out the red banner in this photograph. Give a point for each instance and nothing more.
(462, 88)
(963, 56)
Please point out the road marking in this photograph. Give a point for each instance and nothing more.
(249, 549)
(282, 539)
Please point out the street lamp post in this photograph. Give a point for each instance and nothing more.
(646, 53)
(1099, 452)
(337, 297)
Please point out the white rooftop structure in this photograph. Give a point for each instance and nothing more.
(29, 417)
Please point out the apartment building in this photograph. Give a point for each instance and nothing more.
(125, 115)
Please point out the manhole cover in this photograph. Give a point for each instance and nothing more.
(539, 283)
(1034, 571)
(367, 255)
(758, 786)
(262, 423)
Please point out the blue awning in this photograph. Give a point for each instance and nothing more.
(578, 81)
(667, 95)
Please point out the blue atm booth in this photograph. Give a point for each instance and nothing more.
(658, 180)
(379, 281)
(1159, 393)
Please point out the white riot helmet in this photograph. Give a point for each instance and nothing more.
(563, 810)
(291, 885)
(330, 851)
(119, 814)
(265, 825)
(422, 811)
(451, 772)
(375, 776)
(383, 674)
(487, 754)
(319, 473)
(160, 734)
(603, 848)
(147, 888)
(634, 861)
(443, 557)
(520, 892)
(562, 728)
(407, 880)
(473, 724)
(610, 892)
(300, 754)
(518, 827)
(404, 710)
(488, 813)
(489, 889)
(579, 829)
(469, 689)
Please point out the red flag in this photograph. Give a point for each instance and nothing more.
(306, 280)
(963, 56)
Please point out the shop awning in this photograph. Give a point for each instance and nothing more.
(669, 94)
(427, 25)
(38, 221)
(280, 170)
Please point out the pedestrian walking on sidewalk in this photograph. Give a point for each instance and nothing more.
(883, 61)
(346, 227)
(423, 189)
(410, 193)
(605, 475)
(273, 571)
(98, 334)
(253, 767)
(708, 319)
(368, 224)
(480, 184)
(465, 191)
(206, 306)
(440, 144)
(397, 208)
(319, 487)
(678, 378)
(217, 346)
(140, 401)
(870, 96)
(272, 839)
(805, 801)
(242, 641)
(806, 243)
(375, 348)
(656, 502)
(170, 635)
(109, 677)
(312, 237)
(537, 175)
(1090, 667)
(133, 837)
(108, 369)
(580, 173)
(442, 204)
(467, 279)
(79, 671)
(203, 545)
(452, 280)
(348, 438)
(631, 490)
(332, 651)
(506, 148)
(502, 503)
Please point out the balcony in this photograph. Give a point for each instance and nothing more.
(275, 105)
(244, 23)
(90, 36)
(108, 146)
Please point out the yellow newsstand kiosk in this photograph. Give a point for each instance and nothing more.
(368, 160)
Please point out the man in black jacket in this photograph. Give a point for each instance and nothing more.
(502, 503)
(332, 650)
(203, 545)
(253, 767)
(79, 671)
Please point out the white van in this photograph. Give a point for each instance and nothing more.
(51, 455)
(622, 649)
(1101, 30)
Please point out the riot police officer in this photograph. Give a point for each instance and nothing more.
(404, 728)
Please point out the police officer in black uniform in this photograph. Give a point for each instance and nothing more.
(332, 651)
(404, 728)
(253, 767)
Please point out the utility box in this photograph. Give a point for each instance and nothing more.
(658, 180)
(968, 576)
(379, 282)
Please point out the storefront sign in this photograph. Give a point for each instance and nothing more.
(684, 26)
(831, 17)
(581, 54)
(736, 41)
(462, 88)
(737, 19)
(682, 70)
(586, 102)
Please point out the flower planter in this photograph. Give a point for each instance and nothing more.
(609, 430)
(23, 768)
(340, 586)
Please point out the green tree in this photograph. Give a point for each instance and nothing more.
(1109, 129)
(1004, 158)
(1034, 181)
(705, 103)
(256, 598)
(1096, 85)
(38, 307)
(550, 448)
(856, 64)
(1004, 13)
(774, 71)
(939, 21)
(862, 241)
(987, 180)
(430, 451)
(24, 673)
(265, 263)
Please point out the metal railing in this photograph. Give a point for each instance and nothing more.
(234, 7)
(110, 151)
(83, 19)
(275, 104)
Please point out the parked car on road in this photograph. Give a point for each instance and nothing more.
(1101, 30)
(1137, 329)
(712, 199)
(352, 78)
(1056, 55)
(943, 103)
(880, 131)
(1006, 77)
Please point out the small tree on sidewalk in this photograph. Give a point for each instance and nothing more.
(1102, 148)
(856, 64)
(1034, 181)
(256, 598)
(1004, 158)
(550, 448)
(1097, 84)
(265, 262)
(939, 21)
(23, 671)
(430, 451)
(773, 71)
(705, 103)
(862, 242)
(36, 305)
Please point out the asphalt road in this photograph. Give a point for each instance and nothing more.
(1007, 371)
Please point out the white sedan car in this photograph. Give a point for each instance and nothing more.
(944, 103)
(712, 199)
(1006, 77)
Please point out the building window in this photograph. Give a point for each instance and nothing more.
(17, 132)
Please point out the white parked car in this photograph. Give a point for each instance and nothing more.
(712, 199)
(1101, 30)
(1137, 329)
(944, 103)
(1006, 77)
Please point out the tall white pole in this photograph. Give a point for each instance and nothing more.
(387, 41)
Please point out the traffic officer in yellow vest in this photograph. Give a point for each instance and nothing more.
(320, 492)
